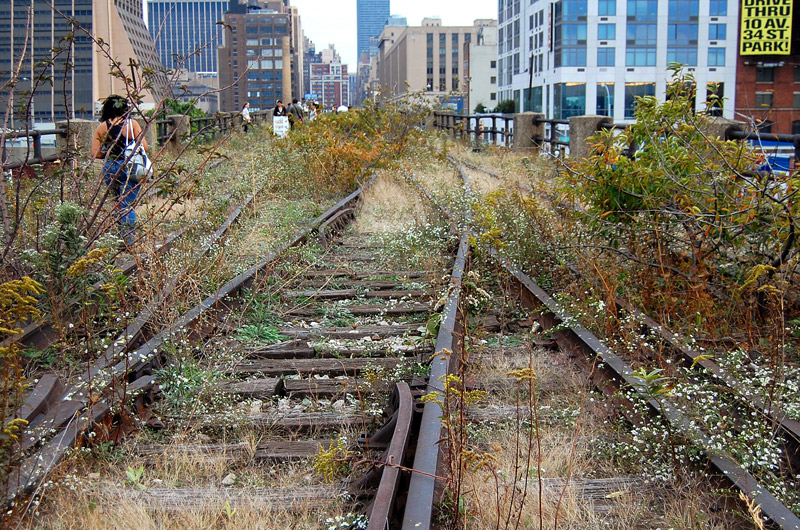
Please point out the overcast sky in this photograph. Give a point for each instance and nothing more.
(334, 22)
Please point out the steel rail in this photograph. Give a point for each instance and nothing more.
(385, 498)
(573, 336)
(427, 460)
(691, 357)
(77, 411)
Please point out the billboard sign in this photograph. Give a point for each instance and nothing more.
(766, 27)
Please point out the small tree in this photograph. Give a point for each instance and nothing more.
(508, 106)
(480, 108)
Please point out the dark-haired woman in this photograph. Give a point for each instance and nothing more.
(115, 132)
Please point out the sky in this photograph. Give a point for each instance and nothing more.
(334, 22)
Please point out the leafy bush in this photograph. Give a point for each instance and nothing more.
(507, 106)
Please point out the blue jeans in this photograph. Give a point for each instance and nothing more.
(125, 191)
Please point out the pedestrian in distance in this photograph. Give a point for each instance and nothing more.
(246, 120)
(295, 113)
(115, 132)
(279, 109)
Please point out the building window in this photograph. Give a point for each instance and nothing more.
(605, 99)
(684, 55)
(605, 56)
(717, 31)
(640, 57)
(684, 9)
(796, 127)
(569, 100)
(493, 96)
(716, 57)
(763, 99)
(765, 75)
(718, 8)
(493, 80)
(607, 8)
(633, 91)
(493, 64)
(606, 31)
(796, 100)
(533, 99)
(643, 10)
(764, 126)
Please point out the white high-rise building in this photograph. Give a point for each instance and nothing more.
(572, 57)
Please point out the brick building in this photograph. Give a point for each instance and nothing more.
(768, 83)
(331, 83)
(260, 60)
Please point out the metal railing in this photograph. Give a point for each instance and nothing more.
(496, 129)
(31, 153)
(164, 130)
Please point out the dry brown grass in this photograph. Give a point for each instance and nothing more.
(580, 483)
(388, 205)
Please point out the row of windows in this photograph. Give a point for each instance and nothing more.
(569, 99)
(642, 56)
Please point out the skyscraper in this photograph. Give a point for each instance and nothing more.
(70, 75)
(372, 15)
(186, 32)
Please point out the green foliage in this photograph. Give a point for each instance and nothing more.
(259, 334)
(687, 202)
(480, 108)
(508, 106)
(334, 462)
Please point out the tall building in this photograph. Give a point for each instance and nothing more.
(371, 16)
(768, 73)
(480, 68)
(426, 58)
(310, 56)
(70, 77)
(546, 63)
(261, 56)
(187, 33)
(331, 84)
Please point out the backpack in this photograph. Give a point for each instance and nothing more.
(137, 164)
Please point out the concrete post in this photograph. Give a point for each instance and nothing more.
(180, 131)
(430, 121)
(78, 141)
(720, 127)
(150, 134)
(527, 133)
(580, 129)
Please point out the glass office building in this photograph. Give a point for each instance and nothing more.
(58, 72)
(187, 33)
(371, 17)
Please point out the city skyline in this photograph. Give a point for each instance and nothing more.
(317, 16)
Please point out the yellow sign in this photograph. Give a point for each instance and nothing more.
(766, 27)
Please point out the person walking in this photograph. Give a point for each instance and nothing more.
(246, 120)
(279, 110)
(295, 113)
(112, 136)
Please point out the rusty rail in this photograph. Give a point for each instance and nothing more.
(573, 336)
(427, 460)
(383, 507)
(76, 411)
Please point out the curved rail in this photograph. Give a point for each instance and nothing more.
(386, 496)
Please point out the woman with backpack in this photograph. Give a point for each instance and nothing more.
(115, 132)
